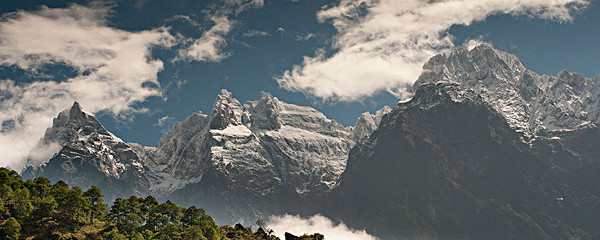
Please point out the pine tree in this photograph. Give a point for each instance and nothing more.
(98, 208)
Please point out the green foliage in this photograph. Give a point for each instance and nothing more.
(239, 232)
(11, 229)
(138, 236)
(36, 209)
(98, 208)
(114, 234)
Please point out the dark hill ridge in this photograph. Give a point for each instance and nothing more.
(446, 165)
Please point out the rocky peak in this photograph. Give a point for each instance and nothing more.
(575, 81)
(71, 123)
(494, 74)
(498, 77)
(482, 63)
(88, 155)
(367, 123)
(226, 110)
(75, 112)
(183, 132)
(533, 105)
(264, 113)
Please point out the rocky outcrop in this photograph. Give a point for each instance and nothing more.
(367, 123)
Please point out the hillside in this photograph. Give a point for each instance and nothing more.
(37, 209)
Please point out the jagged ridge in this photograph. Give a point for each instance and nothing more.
(265, 144)
(533, 105)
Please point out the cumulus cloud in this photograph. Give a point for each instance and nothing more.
(211, 46)
(114, 70)
(383, 44)
(315, 224)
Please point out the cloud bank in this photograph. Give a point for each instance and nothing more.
(383, 44)
(315, 224)
(114, 70)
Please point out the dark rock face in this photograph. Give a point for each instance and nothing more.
(447, 166)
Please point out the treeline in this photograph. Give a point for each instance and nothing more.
(37, 209)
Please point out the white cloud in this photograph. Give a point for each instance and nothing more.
(164, 121)
(315, 224)
(114, 71)
(383, 44)
(209, 47)
(42, 152)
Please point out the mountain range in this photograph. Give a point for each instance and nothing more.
(257, 152)
(484, 149)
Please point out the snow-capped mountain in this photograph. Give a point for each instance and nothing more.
(254, 159)
(448, 165)
(262, 146)
(483, 150)
(90, 155)
(533, 105)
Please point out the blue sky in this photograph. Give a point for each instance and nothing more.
(266, 39)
